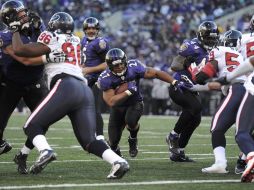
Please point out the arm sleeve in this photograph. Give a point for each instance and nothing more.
(242, 69)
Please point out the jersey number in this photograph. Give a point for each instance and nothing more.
(69, 50)
(45, 38)
(231, 63)
(250, 49)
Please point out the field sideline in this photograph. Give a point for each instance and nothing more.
(76, 169)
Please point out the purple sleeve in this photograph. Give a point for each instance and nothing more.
(5, 39)
(102, 46)
(186, 49)
(104, 82)
(138, 67)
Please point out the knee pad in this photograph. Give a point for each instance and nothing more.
(135, 128)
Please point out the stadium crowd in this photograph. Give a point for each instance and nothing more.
(151, 31)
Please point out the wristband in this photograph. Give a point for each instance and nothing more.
(44, 58)
(128, 92)
(174, 82)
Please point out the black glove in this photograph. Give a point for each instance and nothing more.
(221, 80)
(180, 85)
(132, 87)
(35, 19)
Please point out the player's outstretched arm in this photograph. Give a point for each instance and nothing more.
(242, 69)
(28, 50)
(99, 68)
(152, 73)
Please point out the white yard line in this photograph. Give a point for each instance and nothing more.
(136, 159)
(121, 184)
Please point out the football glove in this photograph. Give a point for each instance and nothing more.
(15, 26)
(181, 85)
(35, 19)
(55, 56)
(132, 88)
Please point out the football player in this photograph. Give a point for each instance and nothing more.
(18, 80)
(244, 119)
(94, 49)
(127, 105)
(78, 105)
(222, 60)
(192, 53)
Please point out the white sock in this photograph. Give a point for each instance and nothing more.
(25, 150)
(41, 143)
(100, 137)
(243, 157)
(111, 157)
(220, 155)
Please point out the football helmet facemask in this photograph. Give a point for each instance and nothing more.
(61, 22)
(116, 60)
(208, 34)
(88, 23)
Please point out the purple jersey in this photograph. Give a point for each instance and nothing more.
(14, 70)
(194, 53)
(135, 71)
(94, 52)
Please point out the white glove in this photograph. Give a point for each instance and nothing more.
(56, 56)
(15, 26)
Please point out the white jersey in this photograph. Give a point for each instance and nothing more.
(247, 46)
(70, 45)
(228, 59)
(247, 50)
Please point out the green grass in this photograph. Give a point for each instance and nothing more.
(84, 171)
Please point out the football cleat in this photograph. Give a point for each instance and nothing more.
(46, 156)
(5, 147)
(240, 166)
(248, 173)
(172, 141)
(20, 160)
(133, 151)
(179, 157)
(217, 168)
(118, 170)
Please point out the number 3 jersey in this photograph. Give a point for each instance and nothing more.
(70, 45)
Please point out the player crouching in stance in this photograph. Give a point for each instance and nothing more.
(120, 86)
(63, 78)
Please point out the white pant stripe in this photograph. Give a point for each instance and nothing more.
(240, 111)
(48, 97)
(217, 114)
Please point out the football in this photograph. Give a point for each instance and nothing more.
(121, 88)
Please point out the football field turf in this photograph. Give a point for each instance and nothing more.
(151, 169)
